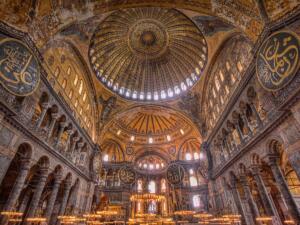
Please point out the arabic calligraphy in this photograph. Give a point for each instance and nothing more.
(175, 174)
(19, 69)
(278, 60)
(127, 175)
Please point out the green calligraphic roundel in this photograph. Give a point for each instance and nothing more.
(19, 68)
(278, 60)
(127, 175)
(175, 174)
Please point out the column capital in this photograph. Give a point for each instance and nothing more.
(45, 105)
(54, 115)
(57, 177)
(272, 160)
(25, 163)
(80, 144)
(63, 124)
(69, 131)
(255, 169)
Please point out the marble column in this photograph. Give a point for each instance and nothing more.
(52, 198)
(45, 107)
(66, 193)
(238, 202)
(246, 123)
(18, 185)
(77, 151)
(263, 193)
(240, 133)
(61, 129)
(73, 145)
(69, 132)
(230, 136)
(249, 196)
(257, 116)
(54, 117)
(284, 189)
(228, 145)
(37, 192)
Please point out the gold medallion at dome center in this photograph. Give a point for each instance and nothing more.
(148, 39)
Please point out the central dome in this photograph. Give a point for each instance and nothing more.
(148, 54)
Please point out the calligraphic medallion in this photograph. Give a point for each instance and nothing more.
(19, 69)
(175, 174)
(127, 175)
(278, 60)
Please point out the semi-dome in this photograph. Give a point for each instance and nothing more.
(148, 54)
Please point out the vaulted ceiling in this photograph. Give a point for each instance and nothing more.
(145, 64)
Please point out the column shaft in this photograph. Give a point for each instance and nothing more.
(64, 201)
(263, 193)
(257, 117)
(249, 197)
(37, 193)
(18, 186)
(52, 198)
(45, 107)
(284, 189)
(52, 123)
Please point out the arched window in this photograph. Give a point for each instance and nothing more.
(71, 94)
(80, 87)
(196, 155)
(193, 181)
(221, 75)
(140, 186)
(152, 187)
(196, 201)
(163, 186)
(57, 72)
(69, 70)
(217, 83)
(152, 207)
(76, 79)
(239, 66)
(188, 156)
(64, 83)
(105, 158)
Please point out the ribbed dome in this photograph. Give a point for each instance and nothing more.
(148, 53)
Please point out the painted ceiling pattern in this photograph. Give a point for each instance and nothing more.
(148, 53)
(142, 123)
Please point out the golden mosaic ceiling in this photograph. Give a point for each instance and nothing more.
(150, 124)
(148, 53)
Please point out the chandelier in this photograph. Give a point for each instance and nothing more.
(147, 197)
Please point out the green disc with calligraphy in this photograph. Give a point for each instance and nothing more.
(175, 174)
(127, 175)
(19, 68)
(278, 60)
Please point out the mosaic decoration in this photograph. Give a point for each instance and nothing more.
(172, 150)
(175, 174)
(129, 150)
(153, 53)
(278, 60)
(210, 25)
(97, 163)
(19, 69)
(127, 175)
